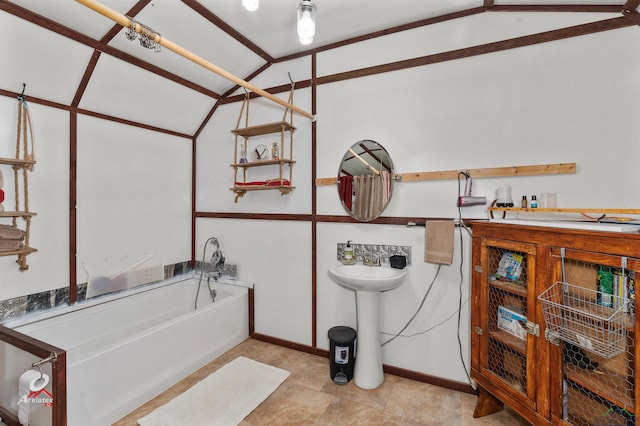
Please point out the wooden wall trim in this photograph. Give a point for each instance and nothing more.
(50, 25)
(408, 221)
(59, 369)
(631, 6)
(73, 202)
(392, 30)
(215, 20)
(314, 208)
(57, 105)
(258, 216)
(84, 82)
(133, 123)
(560, 8)
(528, 40)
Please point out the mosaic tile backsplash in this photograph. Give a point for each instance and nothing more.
(375, 251)
(23, 305)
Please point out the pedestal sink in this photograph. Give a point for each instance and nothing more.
(368, 282)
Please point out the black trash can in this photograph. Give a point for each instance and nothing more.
(342, 353)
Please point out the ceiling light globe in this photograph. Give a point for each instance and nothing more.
(251, 5)
(306, 22)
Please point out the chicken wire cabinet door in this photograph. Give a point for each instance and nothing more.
(593, 316)
(573, 291)
(504, 320)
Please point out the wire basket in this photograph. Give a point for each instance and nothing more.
(576, 315)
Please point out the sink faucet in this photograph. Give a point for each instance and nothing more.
(371, 261)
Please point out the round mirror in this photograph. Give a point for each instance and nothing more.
(365, 180)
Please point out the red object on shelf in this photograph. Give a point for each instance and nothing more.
(278, 182)
(270, 182)
(1, 195)
(254, 183)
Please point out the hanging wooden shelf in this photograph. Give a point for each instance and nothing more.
(22, 252)
(541, 169)
(241, 190)
(263, 163)
(283, 156)
(264, 129)
(17, 214)
(16, 162)
(21, 168)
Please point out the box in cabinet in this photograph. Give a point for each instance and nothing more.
(512, 322)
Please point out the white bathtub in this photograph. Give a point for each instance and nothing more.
(123, 350)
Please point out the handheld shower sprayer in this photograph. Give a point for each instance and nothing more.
(217, 261)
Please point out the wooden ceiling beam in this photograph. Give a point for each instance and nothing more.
(57, 28)
(93, 62)
(488, 6)
(215, 20)
(583, 8)
(166, 43)
(388, 31)
(634, 16)
(528, 40)
(631, 5)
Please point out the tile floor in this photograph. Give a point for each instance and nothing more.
(309, 397)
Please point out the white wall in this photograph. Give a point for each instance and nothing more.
(133, 196)
(133, 193)
(566, 101)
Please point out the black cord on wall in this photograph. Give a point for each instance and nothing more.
(460, 302)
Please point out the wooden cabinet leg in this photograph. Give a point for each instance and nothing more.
(487, 404)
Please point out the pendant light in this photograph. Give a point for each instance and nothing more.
(306, 22)
(251, 5)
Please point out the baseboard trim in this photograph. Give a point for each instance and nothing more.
(396, 371)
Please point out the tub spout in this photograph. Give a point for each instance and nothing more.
(213, 293)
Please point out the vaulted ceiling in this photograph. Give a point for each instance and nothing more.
(68, 54)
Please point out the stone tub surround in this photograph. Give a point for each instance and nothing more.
(23, 305)
(375, 251)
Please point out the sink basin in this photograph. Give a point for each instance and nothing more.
(367, 278)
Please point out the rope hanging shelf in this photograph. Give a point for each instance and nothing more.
(14, 241)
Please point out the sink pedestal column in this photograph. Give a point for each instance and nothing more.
(368, 372)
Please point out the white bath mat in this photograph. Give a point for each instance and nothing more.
(224, 398)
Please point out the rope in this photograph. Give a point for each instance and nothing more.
(15, 168)
(23, 129)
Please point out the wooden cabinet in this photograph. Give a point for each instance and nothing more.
(21, 211)
(277, 155)
(546, 340)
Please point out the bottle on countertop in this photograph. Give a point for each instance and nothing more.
(347, 254)
(534, 202)
(523, 203)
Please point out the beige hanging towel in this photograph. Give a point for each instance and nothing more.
(439, 235)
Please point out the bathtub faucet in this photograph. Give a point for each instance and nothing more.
(217, 260)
